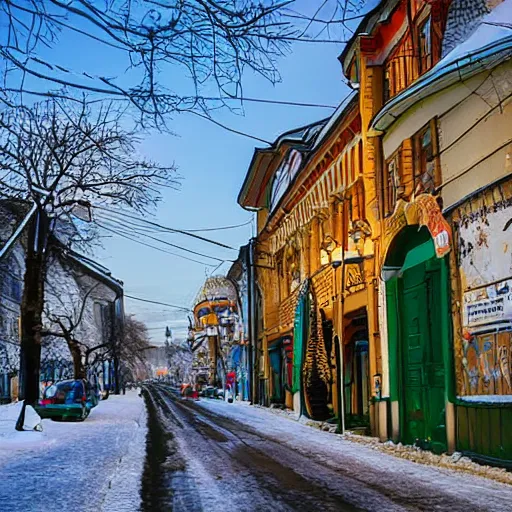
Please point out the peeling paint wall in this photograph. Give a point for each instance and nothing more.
(482, 284)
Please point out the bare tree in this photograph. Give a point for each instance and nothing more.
(64, 323)
(210, 41)
(61, 157)
(133, 349)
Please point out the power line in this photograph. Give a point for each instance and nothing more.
(188, 310)
(166, 228)
(197, 230)
(117, 225)
(225, 127)
(50, 94)
(333, 21)
(153, 246)
(264, 100)
(218, 229)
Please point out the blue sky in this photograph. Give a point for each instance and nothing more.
(213, 163)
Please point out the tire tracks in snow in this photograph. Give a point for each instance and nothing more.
(331, 484)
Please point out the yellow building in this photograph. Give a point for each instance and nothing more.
(309, 190)
(436, 128)
(458, 120)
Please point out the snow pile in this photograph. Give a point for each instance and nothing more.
(10, 439)
(10, 413)
(455, 461)
(487, 399)
(292, 415)
(285, 413)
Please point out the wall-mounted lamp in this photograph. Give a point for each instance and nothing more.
(337, 258)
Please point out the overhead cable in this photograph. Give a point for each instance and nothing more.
(165, 242)
(153, 246)
(166, 228)
(188, 310)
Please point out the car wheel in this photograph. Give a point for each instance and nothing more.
(85, 413)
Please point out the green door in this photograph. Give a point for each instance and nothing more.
(422, 359)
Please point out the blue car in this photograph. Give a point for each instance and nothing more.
(68, 399)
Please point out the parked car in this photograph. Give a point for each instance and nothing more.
(68, 399)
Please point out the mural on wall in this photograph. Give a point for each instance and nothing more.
(423, 210)
(486, 363)
(487, 299)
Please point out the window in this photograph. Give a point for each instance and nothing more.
(10, 280)
(398, 73)
(392, 183)
(284, 176)
(425, 45)
(424, 160)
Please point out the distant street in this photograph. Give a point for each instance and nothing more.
(211, 455)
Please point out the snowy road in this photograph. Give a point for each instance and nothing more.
(213, 456)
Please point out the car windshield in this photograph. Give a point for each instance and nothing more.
(67, 392)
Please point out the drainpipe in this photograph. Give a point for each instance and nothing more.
(251, 303)
(117, 337)
(341, 335)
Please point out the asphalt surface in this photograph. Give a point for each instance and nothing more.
(199, 460)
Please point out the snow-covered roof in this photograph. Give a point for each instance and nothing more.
(92, 267)
(494, 27)
(338, 114)
(266, 160)
(374, 11)
(489, 45)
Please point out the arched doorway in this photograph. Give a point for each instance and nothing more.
(417, 287)
(356, 375)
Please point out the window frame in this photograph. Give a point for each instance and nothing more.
(422, 66)
(391, 192)
(417, 146)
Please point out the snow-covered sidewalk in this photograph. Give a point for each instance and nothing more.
(89, 466)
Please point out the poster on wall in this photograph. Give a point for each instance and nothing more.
(484, 233)
(485, 256)
(488, 305)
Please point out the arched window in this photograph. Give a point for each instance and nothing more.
(284, 176)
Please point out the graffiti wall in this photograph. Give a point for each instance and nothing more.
(485, 259)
